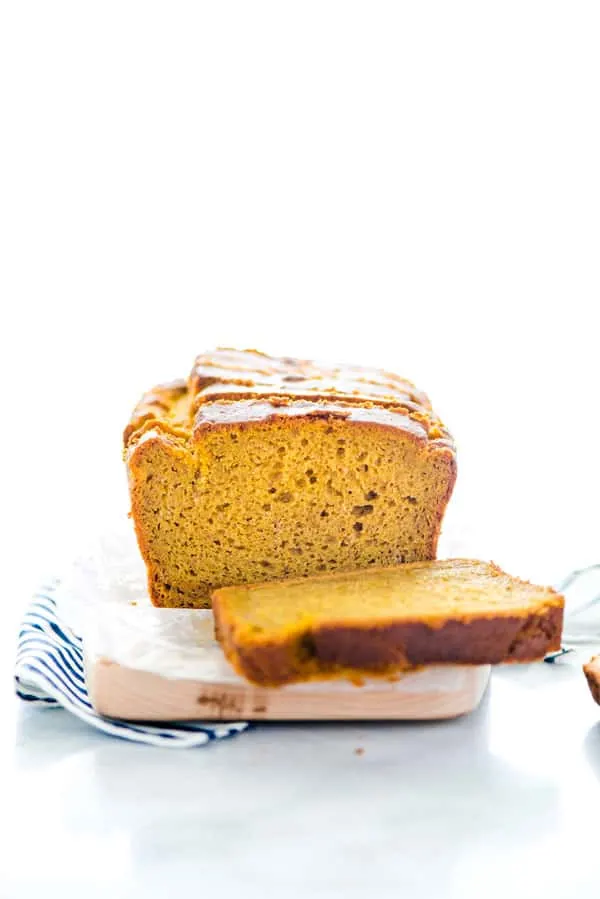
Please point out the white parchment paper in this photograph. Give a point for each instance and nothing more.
(107, 603)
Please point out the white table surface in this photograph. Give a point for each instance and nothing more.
(503, 802)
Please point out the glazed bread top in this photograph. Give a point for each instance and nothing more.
(229, 386)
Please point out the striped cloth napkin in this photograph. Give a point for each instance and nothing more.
(50, 672)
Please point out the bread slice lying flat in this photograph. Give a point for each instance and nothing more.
(384, 621)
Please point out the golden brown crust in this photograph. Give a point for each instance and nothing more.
(230, 375)
(164, 404)
(229, 385)
(592, 674)
(357, 646)
(243, 413)
(277, 375)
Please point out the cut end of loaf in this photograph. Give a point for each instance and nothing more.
(283, 499)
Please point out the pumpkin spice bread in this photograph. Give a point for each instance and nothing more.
(384, 621)
(260, 468)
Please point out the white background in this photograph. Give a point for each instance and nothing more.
(414, 185)
(411, 185)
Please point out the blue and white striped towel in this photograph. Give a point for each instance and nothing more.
(50, 672)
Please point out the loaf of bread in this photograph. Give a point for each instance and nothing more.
(385, 620)
(259, 468)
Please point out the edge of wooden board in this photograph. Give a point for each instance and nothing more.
(117, 691)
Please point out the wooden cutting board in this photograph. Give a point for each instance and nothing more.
(148, 664)
(123, 692)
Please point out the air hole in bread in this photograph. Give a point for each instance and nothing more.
(362, 510)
